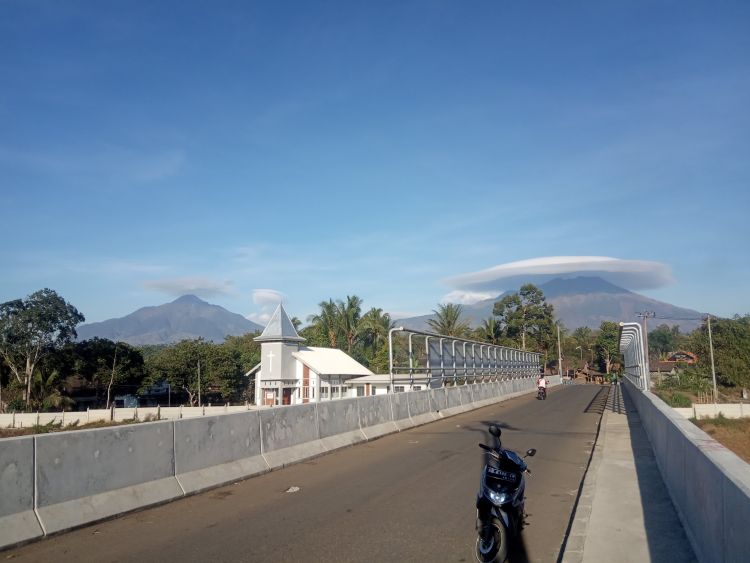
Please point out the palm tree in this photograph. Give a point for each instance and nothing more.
(374, 327)
(448, 321)
(327, 321)
(348, 315)
(491, 331)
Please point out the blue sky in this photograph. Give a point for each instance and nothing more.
(242, 150)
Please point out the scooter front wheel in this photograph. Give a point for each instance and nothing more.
(492, 543)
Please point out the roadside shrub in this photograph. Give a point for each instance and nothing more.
(676, 400)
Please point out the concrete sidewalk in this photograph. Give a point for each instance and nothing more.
(624, 513)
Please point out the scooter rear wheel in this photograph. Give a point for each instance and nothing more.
(492, 543)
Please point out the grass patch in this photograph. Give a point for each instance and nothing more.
(674, 399)
(58, 427)
(734, 433)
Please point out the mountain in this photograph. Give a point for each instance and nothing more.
(583, 301)
(187, 317)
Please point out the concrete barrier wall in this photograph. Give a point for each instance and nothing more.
(420, 408)
(18, 523)
(400, 407)
(376, 415)
(290, 434)
(438, 400)
(727, 410)
(216, 450)
(709, 485)
(59, 481)
(338, 423)
(87, 475)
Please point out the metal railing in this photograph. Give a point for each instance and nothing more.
(636, 361)
(439, 360)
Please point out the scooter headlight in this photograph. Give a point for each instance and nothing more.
(496, 497)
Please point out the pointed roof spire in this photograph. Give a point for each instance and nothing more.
(280, 328)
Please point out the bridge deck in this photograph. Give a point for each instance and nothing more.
(405, 497)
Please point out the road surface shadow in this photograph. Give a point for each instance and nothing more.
(517, 553)
(599, 402)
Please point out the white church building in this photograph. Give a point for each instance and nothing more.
(290, 373)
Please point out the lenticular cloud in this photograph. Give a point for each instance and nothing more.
(630, 274)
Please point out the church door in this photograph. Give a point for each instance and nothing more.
(286, 396)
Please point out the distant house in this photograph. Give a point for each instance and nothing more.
(675, 360)
(291, 374)
(380, 384)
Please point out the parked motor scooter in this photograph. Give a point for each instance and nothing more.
(500, 501)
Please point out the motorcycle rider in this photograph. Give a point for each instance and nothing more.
(541, 383)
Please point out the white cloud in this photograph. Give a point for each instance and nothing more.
(267, 297)
(631, 274)
(467, 297)
(260, 318)
(202, 287)
(267, 300)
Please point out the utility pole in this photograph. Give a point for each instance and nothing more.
(112, 377)
(711, 347)
(559, 353)
(199, 383)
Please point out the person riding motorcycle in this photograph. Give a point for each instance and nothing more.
(541, 385)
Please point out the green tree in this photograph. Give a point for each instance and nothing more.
(525, 314)
(326, 322)
(347, 318)
(373, 328)
(448, 321)
(490, 331)
(105, 365)
(182, 366)
(731, 339)
(33, 327)
(247, 348)
(663, 340)
(608, 345)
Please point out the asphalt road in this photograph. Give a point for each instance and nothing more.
(405, 497)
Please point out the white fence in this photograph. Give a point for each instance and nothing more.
(27, 419)
(710, 410)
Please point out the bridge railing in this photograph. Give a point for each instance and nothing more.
(636, 360)
(709, 485)
(439, 360)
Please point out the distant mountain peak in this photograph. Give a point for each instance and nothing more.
(189, 298)
(187, 317)
(578, 301)
(579, 285)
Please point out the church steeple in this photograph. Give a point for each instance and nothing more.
(280, 328)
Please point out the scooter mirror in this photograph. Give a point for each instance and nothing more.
(531, 452)
(495, 431)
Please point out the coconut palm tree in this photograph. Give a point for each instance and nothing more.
(348, 315)
(327, 321)
(491, 331)
(448, 321)
(374, 327)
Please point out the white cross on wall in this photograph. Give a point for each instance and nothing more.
(270, 361)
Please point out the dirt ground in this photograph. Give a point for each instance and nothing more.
(732, 433)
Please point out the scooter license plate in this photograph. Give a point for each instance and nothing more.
(504, 475)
